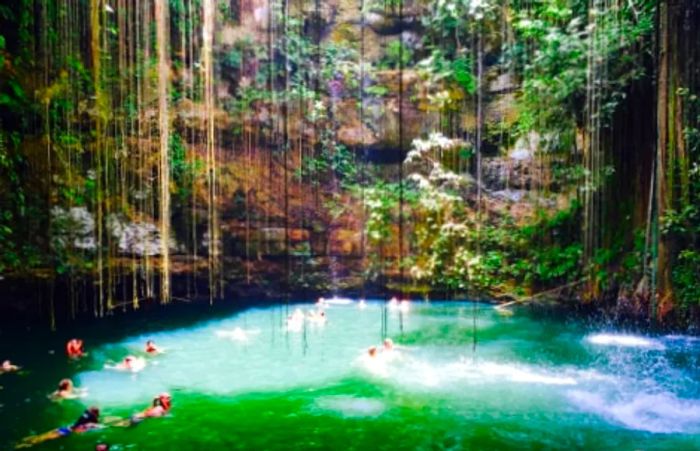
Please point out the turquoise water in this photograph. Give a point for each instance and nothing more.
(245, 380)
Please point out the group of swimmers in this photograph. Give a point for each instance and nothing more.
(295, 321)
(90, 418)
(387, 346)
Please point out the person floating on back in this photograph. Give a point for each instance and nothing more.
(127, 363)
(8, 367)
(74, 348)
(89, 420)
(130, 363)
(160, 407)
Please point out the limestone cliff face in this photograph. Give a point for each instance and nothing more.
(362, 103)
(298, 106)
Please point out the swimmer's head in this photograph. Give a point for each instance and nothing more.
(388, 343)
(102, 447)
(164, 400)
(94, 411)
(65, 385)
(372, 351)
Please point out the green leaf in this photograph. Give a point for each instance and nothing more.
(466, 153)
(462, 73)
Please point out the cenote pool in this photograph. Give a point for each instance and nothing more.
(530, 383)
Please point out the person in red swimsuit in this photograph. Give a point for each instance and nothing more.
(74, 348)
(151, 347)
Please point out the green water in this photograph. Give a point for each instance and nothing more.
(531, 383)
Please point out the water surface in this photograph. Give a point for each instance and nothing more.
(501, 381)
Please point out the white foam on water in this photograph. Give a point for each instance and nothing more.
(339, 301)
(489, 371)
(419, 373)
(623, 340)
(237, 334)
(592, 375)
(683, 338)
(376, 365)
(658, 413)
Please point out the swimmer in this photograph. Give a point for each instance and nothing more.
(130, 363)
(374, 362)
(295, 321)
(317, 317)
(388, 344)
(89, 420)
(102, 447)
(8, 367)
(503, 311)
(66, 390)
(298, 314)
(160, 407)
(152, 349)
(390, 350)
(74, 348)
(393, 303)
(237, 334)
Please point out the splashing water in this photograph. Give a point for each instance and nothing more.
(661, 413)
(634, 341)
